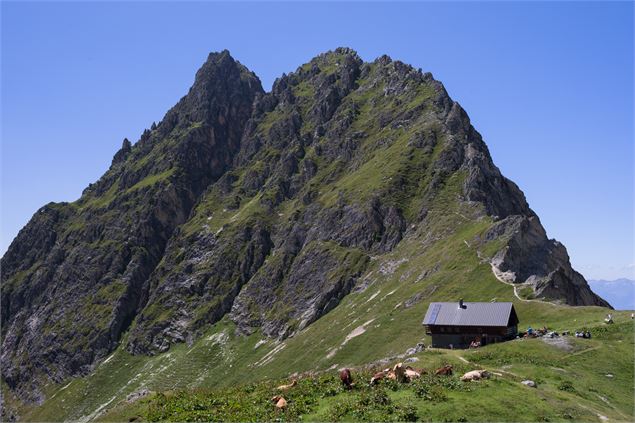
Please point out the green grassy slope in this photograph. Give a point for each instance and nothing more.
(572, 385)
(437, 263)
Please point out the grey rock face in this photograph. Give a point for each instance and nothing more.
(290, 297)
(207, 275)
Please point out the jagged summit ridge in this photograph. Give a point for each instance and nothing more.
(263, 208)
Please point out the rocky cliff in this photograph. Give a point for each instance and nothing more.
(264, 207)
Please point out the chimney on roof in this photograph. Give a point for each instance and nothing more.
(461, 305)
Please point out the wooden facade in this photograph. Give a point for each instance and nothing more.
(461, 336)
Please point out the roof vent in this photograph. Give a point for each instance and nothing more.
(461, 305)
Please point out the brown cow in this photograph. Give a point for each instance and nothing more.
(445, 370)
(377, 377)
(421, 371)
(400, 373)
(346, 378)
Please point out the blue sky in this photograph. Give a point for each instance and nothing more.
(548, 85)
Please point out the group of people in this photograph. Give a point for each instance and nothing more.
(534, 333)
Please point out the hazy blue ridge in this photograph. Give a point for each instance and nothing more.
(620, 292)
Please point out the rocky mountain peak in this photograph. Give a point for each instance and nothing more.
(219, 67)
(122, 154)
(221, 81)
(266, 209)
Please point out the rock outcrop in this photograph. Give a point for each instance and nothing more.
(530, 257)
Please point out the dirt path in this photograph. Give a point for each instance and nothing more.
(499, 275)
(581, 352)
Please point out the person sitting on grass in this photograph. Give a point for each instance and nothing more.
(475, 343)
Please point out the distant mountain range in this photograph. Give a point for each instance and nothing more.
(620, 292)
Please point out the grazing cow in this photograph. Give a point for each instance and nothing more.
(475, 375)
(285, 388)
(346, 378)
(280, 402)
(400, 373)
(445, 370)
(412, 373)
(377, 377)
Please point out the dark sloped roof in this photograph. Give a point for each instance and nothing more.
(472, 314)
